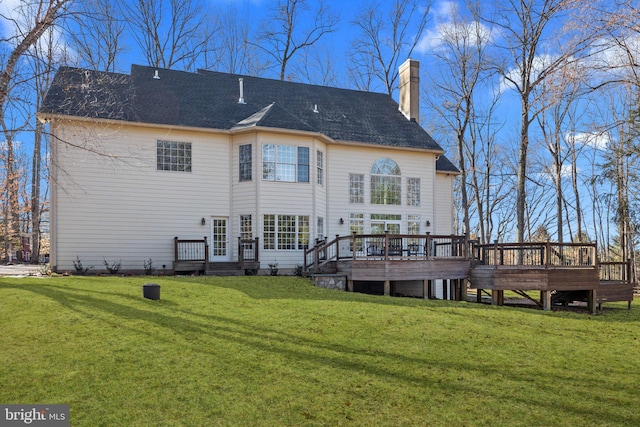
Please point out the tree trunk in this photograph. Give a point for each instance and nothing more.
(521, 197)
(35, 194)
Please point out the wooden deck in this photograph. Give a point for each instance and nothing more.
(394, 260)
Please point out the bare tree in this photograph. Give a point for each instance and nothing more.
(29, 21)
(283, 34)
(234, 52)
(386, 37)
(463, 56)
(96, 33)
(526, 27)
(170, 33)
(43, 61)
(559, 95)
(318, 67)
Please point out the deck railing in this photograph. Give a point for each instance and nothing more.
(198, 250)
(190, 250)
(538, 254)
(615, 271)
(385, 246)
(248, 250)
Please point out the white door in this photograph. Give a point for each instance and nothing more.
(219, 247)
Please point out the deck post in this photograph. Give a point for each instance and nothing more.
(547, 257)
(546, 300)
(425, 288)
(175, 248)
(206, 255)
(350, 285)
(478, 295)
(494, 297)
(463, 289)
(592, 301)
(354, 249)
(256, 250)
(387, 287)
(430, 289)
(386, 244)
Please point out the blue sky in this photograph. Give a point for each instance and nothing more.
(338, 44)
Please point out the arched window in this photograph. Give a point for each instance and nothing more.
(385, 183)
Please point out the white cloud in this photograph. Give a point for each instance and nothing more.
(597, 140)
(16, 17)
(610, 55)
(447, 28)
(11, 18)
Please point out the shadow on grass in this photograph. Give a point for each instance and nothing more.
(373, 361)
(283, 287)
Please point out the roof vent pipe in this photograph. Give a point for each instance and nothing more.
(156, 76)
(241, 83)
(315, 108)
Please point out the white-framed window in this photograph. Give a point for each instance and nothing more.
(385, 183)
(286, 232)
(413, 191)
(320, 166)
(286, 163)
(245, 163)
(246, 227)
(356, 188)
(413, 224)
(380, 223)
(173, 156)
(356, 225)
(320, 228)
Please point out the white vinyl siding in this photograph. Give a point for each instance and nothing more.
(444, 204)
(118, 208)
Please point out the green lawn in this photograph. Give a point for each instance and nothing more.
(274, 351)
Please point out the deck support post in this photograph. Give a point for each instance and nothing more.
(497, 297)
(463, 289)
(478, 295)
(349, 285)
(387, 287)
(592, 301)
(425, 289)
(545, 296)
(430, 289)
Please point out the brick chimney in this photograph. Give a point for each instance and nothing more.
(410, 89)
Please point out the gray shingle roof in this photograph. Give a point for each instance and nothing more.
(208, 99)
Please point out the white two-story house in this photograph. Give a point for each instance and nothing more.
(139, 159)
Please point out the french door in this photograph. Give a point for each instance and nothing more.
(219, 247)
